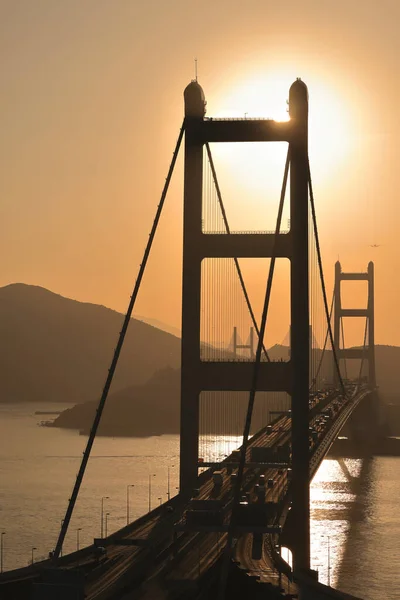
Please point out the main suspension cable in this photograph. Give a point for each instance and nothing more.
(237, 265)
(114, 362)
(252, 395)
(321, 274)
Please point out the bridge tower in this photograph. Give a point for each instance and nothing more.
(291, 377)
(249, 346)
(368, 313)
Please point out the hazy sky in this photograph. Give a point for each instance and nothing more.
(91, 105)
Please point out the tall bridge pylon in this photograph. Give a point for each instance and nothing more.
(240, 346)
(367, 313)
(291, 377)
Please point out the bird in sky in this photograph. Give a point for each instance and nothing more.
(375, 245)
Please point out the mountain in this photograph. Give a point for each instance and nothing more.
(160, 325)
(387, 364)
(59, 350)
(153, 408)
(148, 409)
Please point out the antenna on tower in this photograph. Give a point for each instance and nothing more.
(195, 69)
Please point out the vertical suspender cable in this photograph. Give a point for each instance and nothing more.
(326, 339)
(239, 271)
(114, 362)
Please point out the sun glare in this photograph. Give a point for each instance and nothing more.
(256, 97)
(330, 136)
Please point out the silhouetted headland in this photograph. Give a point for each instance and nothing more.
(153, 408)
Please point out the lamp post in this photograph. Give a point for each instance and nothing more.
(107, 515)
(169, 482)
(329, 562)
(77, 538)
(160, 499)
(131, 485)
(33, 549)
(1, 550)
(102, 514)
(150, 476)
(329, 559)
(62, 523)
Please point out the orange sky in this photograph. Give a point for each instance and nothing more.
(91, 104)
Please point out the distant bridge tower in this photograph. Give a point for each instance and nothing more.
(291, 377)
(368, 313)
(249, 346)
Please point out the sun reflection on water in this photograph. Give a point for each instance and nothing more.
(214, 448)
(332, 496)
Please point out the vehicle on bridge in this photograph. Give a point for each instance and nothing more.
(218, 478)
(256, 514)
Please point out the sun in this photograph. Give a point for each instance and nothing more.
(330, 132)
(251, 174)
(256, 97)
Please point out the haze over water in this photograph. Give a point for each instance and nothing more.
(38, 467)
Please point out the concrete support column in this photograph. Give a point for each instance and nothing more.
(336, 325)
(251, 342)
(371, 326)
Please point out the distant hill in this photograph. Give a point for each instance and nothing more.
(160, 325)
(387, 364)
(149, 409)
(153, 408)
(59, 350)
(387, 359)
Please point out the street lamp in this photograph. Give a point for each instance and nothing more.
(33, 548)
(1, 551)
(62, 523)
(131, 485)
(169, 492)
(77, 538)
(102, 514)
(329, 560)
(150, 476)
(107, 515)
(160, 499)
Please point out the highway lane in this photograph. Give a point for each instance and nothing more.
(194, 551)
(194, 563)
(335, 411)
(265, 567)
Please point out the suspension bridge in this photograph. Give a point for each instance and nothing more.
(240, 500)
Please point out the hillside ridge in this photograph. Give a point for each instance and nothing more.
(57, 349)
